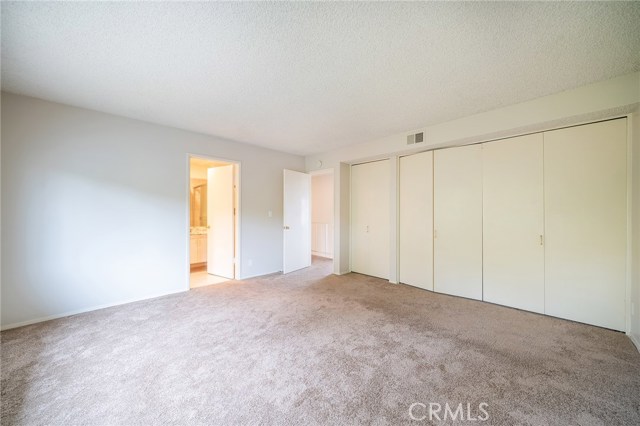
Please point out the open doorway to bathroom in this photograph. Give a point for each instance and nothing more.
(213, 219)
(322, 221)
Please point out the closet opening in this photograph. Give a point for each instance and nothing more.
(213, 221)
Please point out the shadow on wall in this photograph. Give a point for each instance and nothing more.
(95, 208)
(92, 220)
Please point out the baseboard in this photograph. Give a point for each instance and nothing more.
(82, 311)
(248, 277)
(635, 340)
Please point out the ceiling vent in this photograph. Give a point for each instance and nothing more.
(416, 138)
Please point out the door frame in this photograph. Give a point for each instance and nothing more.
(237, 270)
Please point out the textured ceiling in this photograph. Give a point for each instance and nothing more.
(310, 77)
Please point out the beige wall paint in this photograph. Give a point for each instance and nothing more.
(95, 208)
(199, 167)
(198, 171)
(322, 214)
(322, 198)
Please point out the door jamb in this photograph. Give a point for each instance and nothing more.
(237, 270)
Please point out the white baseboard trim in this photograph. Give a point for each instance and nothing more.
(248, 277)
(635, 340)
(83, 310)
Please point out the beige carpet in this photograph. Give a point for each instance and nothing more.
(310, 349)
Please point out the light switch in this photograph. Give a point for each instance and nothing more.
(270, 213)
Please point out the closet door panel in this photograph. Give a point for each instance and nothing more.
(416, 220)
(458, 221)
(370, 208)
(379, 217)
(359, 203)
(585, 219)
(513, 223)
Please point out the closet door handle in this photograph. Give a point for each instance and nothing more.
(541, 240)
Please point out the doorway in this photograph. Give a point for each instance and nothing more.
(213, 220)
(322, 217)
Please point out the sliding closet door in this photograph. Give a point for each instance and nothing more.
(458, 221)
(585, 172)
(416, 220)
(370, 187)
(513, 222)
(359, 204)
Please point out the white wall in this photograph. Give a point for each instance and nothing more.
(95, 212)
(342, 218)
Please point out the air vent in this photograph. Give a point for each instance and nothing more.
(417, 138)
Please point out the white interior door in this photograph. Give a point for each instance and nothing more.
(585, 174)
(416, 220)
(220, 217)
(297, 221)
(458, 221)
(513, 222)
(370, 228)
(359, 219)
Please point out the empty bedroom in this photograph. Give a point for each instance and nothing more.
(331, 213)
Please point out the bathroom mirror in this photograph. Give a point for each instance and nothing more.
(199, 205)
